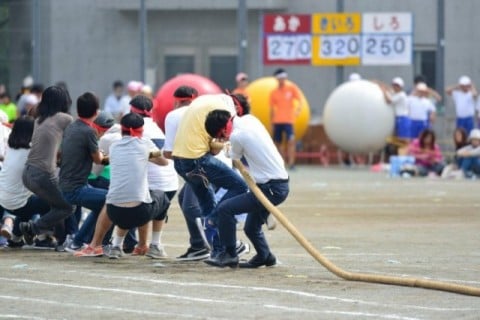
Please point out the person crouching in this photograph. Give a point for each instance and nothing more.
(129, 202)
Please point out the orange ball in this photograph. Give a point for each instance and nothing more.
(258, 93)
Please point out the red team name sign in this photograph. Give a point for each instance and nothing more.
(287, 39)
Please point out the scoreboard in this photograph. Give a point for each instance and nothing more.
(334, 39)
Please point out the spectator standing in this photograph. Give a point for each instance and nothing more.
(464, 95)
(284, 109)
(113, 101)
(422, 110)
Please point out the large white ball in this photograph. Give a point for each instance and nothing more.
(357, 118)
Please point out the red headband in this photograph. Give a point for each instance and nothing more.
(140, 111)
(228, 128)
(93, 125)
(236, 102)
(134, 132)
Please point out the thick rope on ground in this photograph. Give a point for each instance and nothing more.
(398, 281)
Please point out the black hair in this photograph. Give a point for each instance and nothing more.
(54, 100)
(423, 135)
(87, 105)
(117, 84)
(142, 102)
(185, 92)
(464, 139)
(216, 120)
(21, 134)
(243, 102)
(419, 78)
(131, 120)
(279, 71)
(37, 88)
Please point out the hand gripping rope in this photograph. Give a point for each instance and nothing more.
(398, 281)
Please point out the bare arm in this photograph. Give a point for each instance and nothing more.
(450, 89)
(157, 158)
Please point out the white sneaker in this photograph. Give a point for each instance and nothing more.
(6, 231)
(156, 252)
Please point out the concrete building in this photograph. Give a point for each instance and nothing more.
(90, 43)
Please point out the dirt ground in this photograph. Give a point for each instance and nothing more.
(361, 221)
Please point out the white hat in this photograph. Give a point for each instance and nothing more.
(421, 86)
(27, 81)
(398, 81)
(31, 99)
(146, 89)
(241, 76)
(464, 81)
(134, 86)
(474, 134)
(354, 77)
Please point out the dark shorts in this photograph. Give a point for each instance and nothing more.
(127, 218)
(280, 128)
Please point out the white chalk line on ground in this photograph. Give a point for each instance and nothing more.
(94, 307)
(345, 313)
(357, 205)
(14, 316)
(237, 287)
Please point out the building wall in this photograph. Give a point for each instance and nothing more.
(89, 43)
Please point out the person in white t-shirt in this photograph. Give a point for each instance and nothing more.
(464, 96)
(14, 196)
(422, 110)
(397, 98)
(160, 178)
(248, 138)
(113, 102)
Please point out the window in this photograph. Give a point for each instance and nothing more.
(178, 64)
(424, 63)
(223, 69)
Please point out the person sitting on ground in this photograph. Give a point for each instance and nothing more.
(469, 155)
(460, 140)
(427, 153)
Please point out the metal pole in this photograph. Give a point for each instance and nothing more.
(242, 27)
(36, 40)
(440, 58)
(339, 69)
(143, 40)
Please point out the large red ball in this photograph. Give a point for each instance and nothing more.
(163, 101)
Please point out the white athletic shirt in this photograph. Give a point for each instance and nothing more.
(400, 105)
(420, 107)
(13, 194)
(250, 139)
(110, 136)
(125, 104)
(128, 170)
(171, 125)
(162, 178)
(464, 103)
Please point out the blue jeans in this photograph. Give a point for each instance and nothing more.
(191, 210)
(90, 198)
(202, 173)
(470, 165)
(275, 190)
